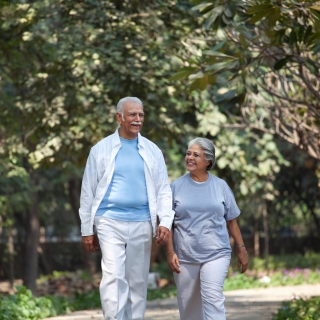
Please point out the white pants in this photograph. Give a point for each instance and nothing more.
(126, 249)
(199, 289)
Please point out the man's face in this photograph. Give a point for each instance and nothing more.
(131, 121)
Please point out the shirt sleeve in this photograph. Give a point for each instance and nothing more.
(164, 195)
(88, 190)
(231, 209)
(172, 191)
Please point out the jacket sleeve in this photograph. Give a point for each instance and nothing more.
(88, 190)
(164, 195)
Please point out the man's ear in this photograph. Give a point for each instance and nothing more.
(119, 117)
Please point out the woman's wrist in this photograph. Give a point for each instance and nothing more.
(171, 251)
(241, 247)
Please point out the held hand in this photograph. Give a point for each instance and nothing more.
(173, 262)
(242, 260)
(162, 235)
(90, 243)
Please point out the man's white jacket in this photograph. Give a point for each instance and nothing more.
(98, 174)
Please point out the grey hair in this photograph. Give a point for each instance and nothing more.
(208, 149)
(127, 99)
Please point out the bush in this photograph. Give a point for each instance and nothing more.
(86, 301)
(24, 306)
(300, 309)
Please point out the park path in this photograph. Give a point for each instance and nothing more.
(250, 304)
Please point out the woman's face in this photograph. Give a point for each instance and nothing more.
(195, 160)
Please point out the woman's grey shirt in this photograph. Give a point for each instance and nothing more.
(201, 211)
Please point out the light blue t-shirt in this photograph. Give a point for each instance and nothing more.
(201, 212)
(126, 198)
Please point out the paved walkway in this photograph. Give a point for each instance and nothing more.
(250, 304)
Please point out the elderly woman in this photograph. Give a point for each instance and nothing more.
(198, 250)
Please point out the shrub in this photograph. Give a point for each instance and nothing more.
(23, 306)
(300, 309)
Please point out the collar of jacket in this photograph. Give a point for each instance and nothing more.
(116, 140)
(116, 144)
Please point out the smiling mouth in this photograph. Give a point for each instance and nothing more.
(136, 124)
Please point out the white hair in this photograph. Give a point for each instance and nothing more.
(208, 149)
(127, 99)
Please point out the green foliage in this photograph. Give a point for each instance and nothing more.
(300, 309)
(86, 300)
(63, 67)
(309, 260)
(264, 58)
(23, 306)
(274, 279)
(166, 292)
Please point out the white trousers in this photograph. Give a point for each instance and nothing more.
(199, 290)
(126, 249)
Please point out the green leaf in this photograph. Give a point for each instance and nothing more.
(273, 17)
(200, 83)
(316, 48)
(243, 41)
(211, 20)
(307, 34)
(196, 1)
(258, 16)
(316, 8)
(183, 73)
(312, 67)
(292, 38)
(219, 45)
(228, 12)
(259, 8)
(226, 96)
(315, 14)
(202, 7)
(222, 66)
(217, 54)
(301, 33)
(226, 19)
(212, 79)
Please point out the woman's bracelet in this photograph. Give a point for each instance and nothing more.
(169, 252)
(240, 245)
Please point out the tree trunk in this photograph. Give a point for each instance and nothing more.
(266, 233)
(1, 222)
(11, 257)
(256, 239)
(74, 191)
(30, 271)
(43, 262)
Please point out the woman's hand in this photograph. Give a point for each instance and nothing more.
(242, 260)
(173, 262)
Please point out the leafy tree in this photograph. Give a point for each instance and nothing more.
(262, 58)
(63, 67)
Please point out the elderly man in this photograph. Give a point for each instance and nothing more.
(124, 188)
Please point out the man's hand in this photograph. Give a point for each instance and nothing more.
(90, 243)
(162, 235)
